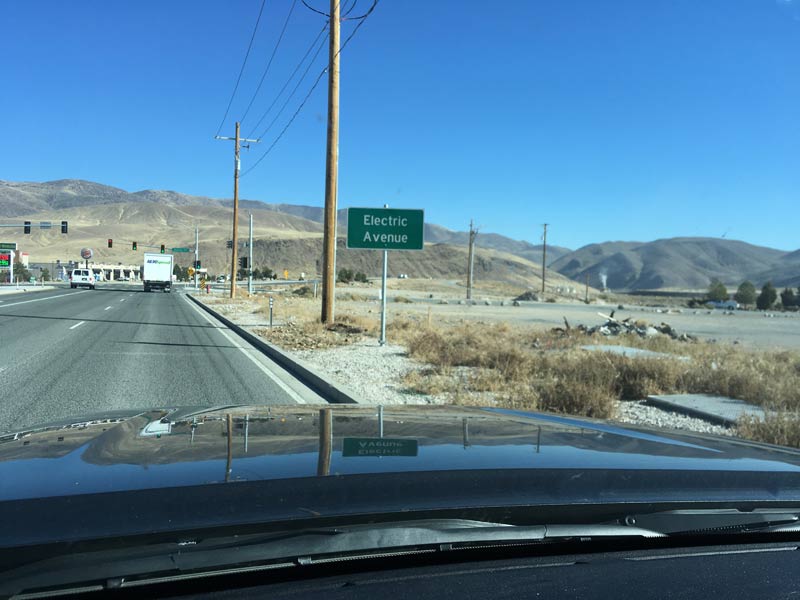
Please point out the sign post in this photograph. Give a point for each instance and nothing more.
(385, 229)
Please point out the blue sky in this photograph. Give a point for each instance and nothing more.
(612, 120)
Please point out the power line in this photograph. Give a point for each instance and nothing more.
(288, 81)
(362, 20)
(269, 64)
(244, 62)
(296, 87)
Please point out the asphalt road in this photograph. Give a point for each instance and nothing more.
(66, 353)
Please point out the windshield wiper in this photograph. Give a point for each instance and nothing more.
(694, 521)
(189, 557)
(192, 557)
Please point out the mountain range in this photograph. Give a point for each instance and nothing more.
(289, 236)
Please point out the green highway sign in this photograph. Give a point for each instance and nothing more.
(385, 228)
(352, 447)
(180, 249)
(8, 245)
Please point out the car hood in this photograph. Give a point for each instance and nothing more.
(302, 460)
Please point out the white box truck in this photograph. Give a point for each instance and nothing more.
(157, 271)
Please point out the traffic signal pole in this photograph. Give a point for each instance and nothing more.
(196, 254)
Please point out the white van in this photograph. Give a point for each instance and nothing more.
(82, 278)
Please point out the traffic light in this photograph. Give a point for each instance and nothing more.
(64, 227)
(197, 264)
(228, 244)
(110, 242)
(163, 248)
(27, 227)
(133, 246)
(243, 262)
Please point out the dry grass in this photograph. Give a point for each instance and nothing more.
(525, 368)
(780, 428)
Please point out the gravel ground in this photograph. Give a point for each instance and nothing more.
(639, 413)
(374, 374)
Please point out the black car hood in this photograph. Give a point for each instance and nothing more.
(427, 458)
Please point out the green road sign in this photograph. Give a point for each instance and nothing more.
(8, 245)
(378, 447)
(385, 228)
(5, 261)
(180, 250)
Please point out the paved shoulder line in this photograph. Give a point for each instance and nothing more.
(289, 391)
(6, 305)
(335, 394)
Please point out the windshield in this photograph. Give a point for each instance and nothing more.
(389, 244)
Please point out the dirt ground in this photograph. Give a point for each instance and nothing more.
(438, 301)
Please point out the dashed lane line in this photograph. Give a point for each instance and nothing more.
(77, 325)
(43, 299)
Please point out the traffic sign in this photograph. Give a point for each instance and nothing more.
(8, 245)
(385, 228)
(180, 249)
(352, 447)
(5, 261)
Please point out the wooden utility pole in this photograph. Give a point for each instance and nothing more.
(544, 255)
(586, 298)
(331, 170)
(473, 233)
(235, 237)
(236, 166)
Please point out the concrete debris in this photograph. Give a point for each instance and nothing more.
(615, 327)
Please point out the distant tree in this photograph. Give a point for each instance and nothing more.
(345, 275)
(20, 272)
(361, 277)
(256, 273)
(767, 297)
(45, 274)
(746, 294)
(179, 273)
(717, 292)
(788, 298)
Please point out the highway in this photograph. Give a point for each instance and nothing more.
(66, 353)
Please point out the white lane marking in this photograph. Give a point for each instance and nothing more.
(77, 324)
(48, 298)
(107, 308)
(294, 395)
(122, 299)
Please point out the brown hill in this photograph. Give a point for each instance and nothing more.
(676, 263)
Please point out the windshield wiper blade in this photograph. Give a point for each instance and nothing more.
(674, 522)
(205, 556)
